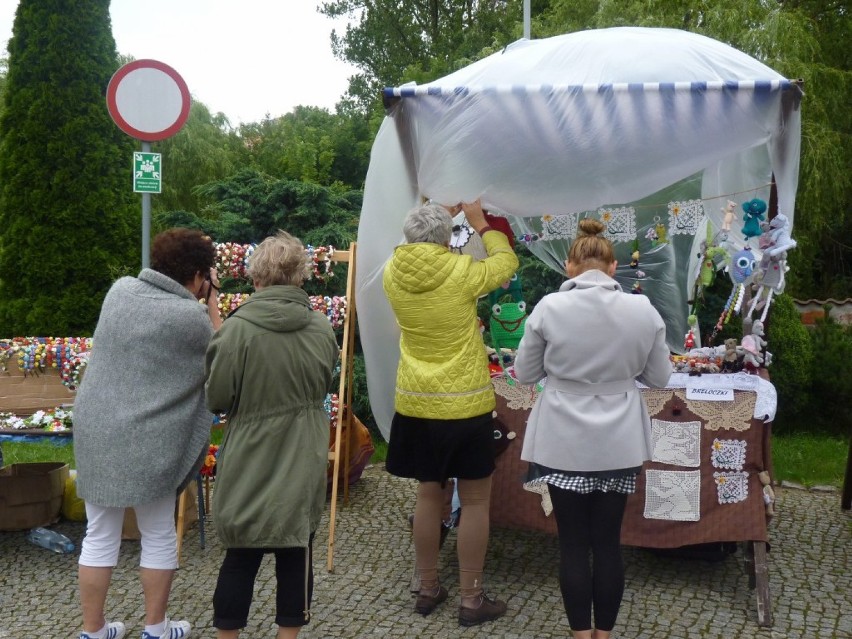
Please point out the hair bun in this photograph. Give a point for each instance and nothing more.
(591, 226)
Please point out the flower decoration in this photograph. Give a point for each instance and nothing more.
(321, 256)
(52, 420)
(35, 355)
(332, 407)
(72, 368)
(209, 467)
(334, 308)
(232, 260)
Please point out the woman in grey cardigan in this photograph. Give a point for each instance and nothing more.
(588, 432)
(141, 427)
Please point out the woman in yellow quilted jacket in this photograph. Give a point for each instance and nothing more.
(442, 426)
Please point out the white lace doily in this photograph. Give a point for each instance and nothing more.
(677, 443)
(731, 487)
(673, 494)
(728, 453)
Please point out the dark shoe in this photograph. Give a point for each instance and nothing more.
(427, 603)
(486, 610)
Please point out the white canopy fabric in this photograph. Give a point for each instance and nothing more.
(640, 127)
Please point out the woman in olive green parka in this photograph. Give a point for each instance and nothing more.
(270, 368)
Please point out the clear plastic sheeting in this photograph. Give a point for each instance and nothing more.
(625, 124)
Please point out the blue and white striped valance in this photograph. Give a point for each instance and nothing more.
(757, 86)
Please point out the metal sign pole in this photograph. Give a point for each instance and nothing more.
(527, 19)
(146, 220)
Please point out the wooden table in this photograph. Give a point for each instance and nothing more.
(736, 425)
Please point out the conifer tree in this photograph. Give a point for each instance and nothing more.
(67, 211)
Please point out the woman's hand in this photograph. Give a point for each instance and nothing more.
(475, 215)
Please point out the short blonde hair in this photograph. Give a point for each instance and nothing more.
(279, 259)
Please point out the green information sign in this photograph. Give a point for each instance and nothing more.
(147, 176)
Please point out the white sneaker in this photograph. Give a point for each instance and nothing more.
(115, 630)
(174, 630)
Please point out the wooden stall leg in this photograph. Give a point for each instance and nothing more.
(748, 559)
(761, 577)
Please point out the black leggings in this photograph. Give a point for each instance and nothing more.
(590, 522)
(234, 589)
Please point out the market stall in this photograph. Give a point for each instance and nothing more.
(653, 131)
(688, 151)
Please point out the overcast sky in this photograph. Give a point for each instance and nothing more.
(245, 58)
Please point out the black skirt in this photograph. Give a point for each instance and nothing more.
(438, 449)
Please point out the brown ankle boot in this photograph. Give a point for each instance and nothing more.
(426, 602)
(486, 609)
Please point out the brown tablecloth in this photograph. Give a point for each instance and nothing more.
(514, 507)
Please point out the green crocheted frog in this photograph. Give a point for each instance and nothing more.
(507, 318)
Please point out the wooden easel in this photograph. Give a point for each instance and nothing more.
(343, 428)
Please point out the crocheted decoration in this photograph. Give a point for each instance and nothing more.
(656, 398)
(620, 223)
(673, 494)
(728, 453)
(685, 217)
(518, 396)
(676, 443)
(735, 415)
(540, 488)
(731, 487)
(461, 235)
(559, 227)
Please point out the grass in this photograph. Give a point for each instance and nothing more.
(808, 459)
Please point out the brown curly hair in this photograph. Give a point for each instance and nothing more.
(181, 253)
(590, 250)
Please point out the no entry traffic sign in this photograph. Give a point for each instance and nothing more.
(148, 100)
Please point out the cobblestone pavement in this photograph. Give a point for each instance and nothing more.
(810, 577)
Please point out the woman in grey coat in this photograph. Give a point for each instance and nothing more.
(141, 427)
(588, 432)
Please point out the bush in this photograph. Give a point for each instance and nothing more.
(792, 363)
(831, 384)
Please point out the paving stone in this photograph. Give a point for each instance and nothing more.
(367, 595)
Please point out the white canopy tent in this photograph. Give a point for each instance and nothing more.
(640, 127)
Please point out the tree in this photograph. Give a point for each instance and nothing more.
(201, 152)
(309, 144)
(418, 40)
(252, 205)
(67, 213)
(800, 39)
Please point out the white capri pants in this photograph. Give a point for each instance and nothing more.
(156, 521)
